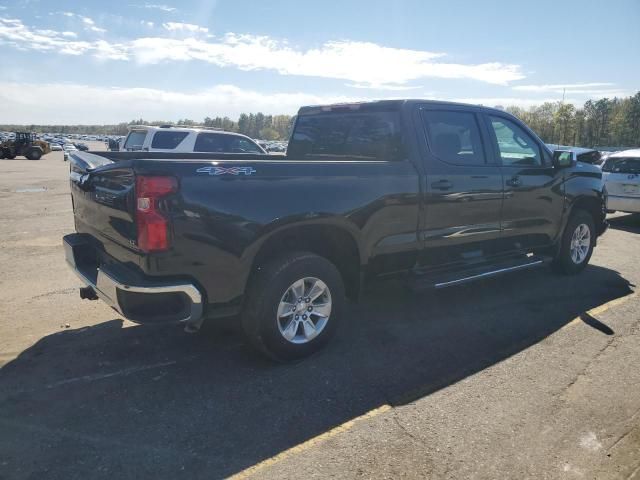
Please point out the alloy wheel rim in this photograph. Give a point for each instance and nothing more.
(580, 243)
(304, 310)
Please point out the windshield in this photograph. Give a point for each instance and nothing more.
(622, 165)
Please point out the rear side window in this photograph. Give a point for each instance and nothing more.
(243, 145)
(351, 136)
(454, 137)
(135, 140)
(214, 142)
(622, 165)
(168, 140)
(210, 142)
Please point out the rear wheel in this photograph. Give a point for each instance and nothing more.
(578, 240)
(293, 306)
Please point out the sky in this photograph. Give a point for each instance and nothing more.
(101, 62)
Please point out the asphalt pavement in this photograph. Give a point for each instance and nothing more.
(532, 375)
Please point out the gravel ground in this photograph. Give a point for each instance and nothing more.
(520, 376)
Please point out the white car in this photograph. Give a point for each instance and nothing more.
(68, 148)
(621, 176)
(188, 140)
(55, 147)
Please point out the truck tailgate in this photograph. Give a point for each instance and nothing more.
(104, 200)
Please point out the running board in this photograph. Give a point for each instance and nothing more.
(477, 273)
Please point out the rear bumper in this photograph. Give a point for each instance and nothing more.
(623, 204)
(139, 300)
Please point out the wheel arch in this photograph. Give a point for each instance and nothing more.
(595, 207)
(333, 241)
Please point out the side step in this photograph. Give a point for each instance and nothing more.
(449, 279)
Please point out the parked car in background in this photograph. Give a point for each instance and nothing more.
(580, 154)
(621, 176)
(55, 146)
(172, 139)
(68, 148)
(81, 146)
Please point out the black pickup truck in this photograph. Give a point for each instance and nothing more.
(441, 193)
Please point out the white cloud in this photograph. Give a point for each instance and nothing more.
(184, 27)
(14, 33)
(73, 103)
(147, 23)
(90, 25)
(364, 64)
(69, 34)
(558, 88)
(164, 8)
(593, 89)
(87, 22)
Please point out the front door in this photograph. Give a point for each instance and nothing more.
(463, 190)
(533, 188)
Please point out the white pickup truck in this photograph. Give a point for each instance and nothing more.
(187, 140)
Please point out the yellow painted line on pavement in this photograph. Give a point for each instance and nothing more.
(603, 308)
(309, 443)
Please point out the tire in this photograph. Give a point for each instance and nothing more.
(266, 320)
(570, 261)
(34, 154)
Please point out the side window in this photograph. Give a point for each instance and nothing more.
(515, 145)
(454, 137)
(168, 140)
(374, 135)
(242, 145)
(135, 140)
(210, 142)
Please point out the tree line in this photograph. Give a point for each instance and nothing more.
(599, 123)
(605, 122)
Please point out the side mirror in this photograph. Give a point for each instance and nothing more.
(563, 158)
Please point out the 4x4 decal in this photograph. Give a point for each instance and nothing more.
(226, 170)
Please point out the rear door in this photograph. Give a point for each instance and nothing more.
(533, 190)
(463, 191)
(622, 177)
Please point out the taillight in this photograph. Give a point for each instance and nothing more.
(153, 226)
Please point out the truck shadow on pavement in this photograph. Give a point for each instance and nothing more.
(153, 402)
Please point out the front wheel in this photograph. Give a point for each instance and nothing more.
(34, 154)
(577, 244)
(293, 307)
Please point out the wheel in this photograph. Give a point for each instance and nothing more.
(293, 307)
(34, 154)
(10, 156)
(577, 244)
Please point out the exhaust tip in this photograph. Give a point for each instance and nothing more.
(88, 293)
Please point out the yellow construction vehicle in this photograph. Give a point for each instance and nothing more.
(25, 144)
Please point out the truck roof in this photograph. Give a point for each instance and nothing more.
(386, 104)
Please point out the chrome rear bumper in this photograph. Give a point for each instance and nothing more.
(130, 297)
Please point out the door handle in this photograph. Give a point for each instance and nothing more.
(442, 185)
(514, 181)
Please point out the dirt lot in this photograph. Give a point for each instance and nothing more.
(531, 375)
